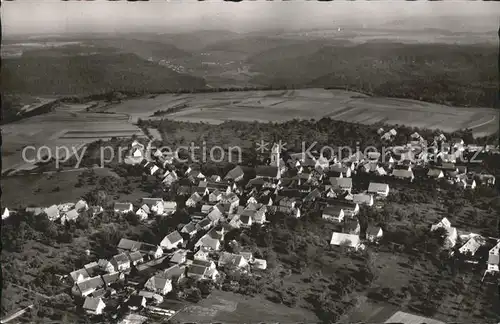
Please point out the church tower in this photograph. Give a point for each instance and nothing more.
(276, 158)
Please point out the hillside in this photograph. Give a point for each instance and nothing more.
(79, 75)
(458, 75)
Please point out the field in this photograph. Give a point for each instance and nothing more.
(278, 106)
(228, 307)
(67, 126)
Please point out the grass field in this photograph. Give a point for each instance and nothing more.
(64, 128)
(282, 105)
(228, 307)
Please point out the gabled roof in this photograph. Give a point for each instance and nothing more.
(434, 172)
(341, 182)
(91, 283)
(80, 272)
(135, 256)
(111, 278)
(402, 173)
(235, 173)
(172, 272)
(158, 282)
(92, 303)
(362, 198)
(174, 237)
(351, 240)
(373, 230)
(227, 258)
(121, 258)
(197, 270)
(129, 245)
(122, 206)
(377, 187)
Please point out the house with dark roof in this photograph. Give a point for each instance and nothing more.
(121, 262)
(112, 278)
(236, 174)
(88, 286)
(158, 285)
(374, 233)
(381, 189)
(93, 306)
(172, 240)
(333, 214)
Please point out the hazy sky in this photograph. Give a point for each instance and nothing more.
(55, 16)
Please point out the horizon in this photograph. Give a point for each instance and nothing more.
(48, 17)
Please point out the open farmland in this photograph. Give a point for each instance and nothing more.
(228, 307)
(279, 106)
(59, 129)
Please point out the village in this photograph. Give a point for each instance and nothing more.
(143, 278)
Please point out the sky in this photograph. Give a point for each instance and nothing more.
(58, 17)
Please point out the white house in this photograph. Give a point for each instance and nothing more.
(451, 232)
(363, 199)
(333, 214)
(380, 189)
(6, 213)
(93, 306)
(143, 212)
(373, 233)
(169, 207)
(123, 208)
(171, 241)
(343, 239)
(435, 173)
(493, 256)
(158, 285)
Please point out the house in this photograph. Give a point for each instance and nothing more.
(487, 179)
(451, 232)
(179, 256)
(81, 206)
(374, 233)
(232, 200)
(352, 226)
(96, 210)
(5, 213)
(435, 173)
(343, 239)
(169, 207)
(88, 286)
(171, 241)
(493, 255)
(106, 266)
(175, 273)
(158, 285)
(363, 199)
(470, 184)
(236, 174)
(143, 212)
(136, 302)
(169, 178)
(121, 262)
(194, 200)
(341, 183)
(259, 264)
(201, 255)
(52, 212)
(135, 258)
(189, 229)
(197, 271)
(126, 245)
(208, 242)
(215, 196)
(204, 224)
(246, 220)
(380, 131)
(343, 170)
(71, 215)
(93, 306)
(155, 205)
(380, 189)
(154, 251)
(215, 215)
(472, 245)
(403, 174)
(123, 208)
(333, 214)
(79, 275)
(227, 259)
(112, 278)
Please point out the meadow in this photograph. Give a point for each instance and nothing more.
(283, 105)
